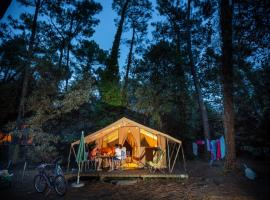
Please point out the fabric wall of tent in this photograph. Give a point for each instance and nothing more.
(139, 140)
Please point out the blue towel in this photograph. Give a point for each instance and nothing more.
(208, 145)
(213, 150)
(195, 148)
(222, 147)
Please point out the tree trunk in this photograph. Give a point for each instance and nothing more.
(227, 81)
(61, 55)
(68, 51)
(113, 60)
(196, 80)
(183, 99)
(125, 87)
(21, 110)
(67, 66)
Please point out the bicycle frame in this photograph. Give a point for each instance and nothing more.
(52, 178)
(45, 176)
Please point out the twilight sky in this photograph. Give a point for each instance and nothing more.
(104, 32)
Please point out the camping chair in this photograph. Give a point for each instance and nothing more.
(89, 164)
(154, 165)
(138, 160)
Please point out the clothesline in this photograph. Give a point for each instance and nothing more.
(217, 148)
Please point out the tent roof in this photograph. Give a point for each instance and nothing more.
(122, 123)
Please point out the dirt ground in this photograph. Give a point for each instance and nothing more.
(204, 182)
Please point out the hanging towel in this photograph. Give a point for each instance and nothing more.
(222, 147)
(195, 149)
(200, 142)
(218, 149)
(213, 150)
(208, 145)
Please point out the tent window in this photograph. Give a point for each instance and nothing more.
(148, 139)
(111, 139)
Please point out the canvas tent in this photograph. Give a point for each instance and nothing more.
(139, 140)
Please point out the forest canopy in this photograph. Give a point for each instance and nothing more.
(188, 63)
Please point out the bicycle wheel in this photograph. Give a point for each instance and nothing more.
(40, 183)
(60, 185)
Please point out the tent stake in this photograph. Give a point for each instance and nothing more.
(175, 157)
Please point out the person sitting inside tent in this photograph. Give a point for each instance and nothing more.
(92, 156)
(115, 163)
(123, 154)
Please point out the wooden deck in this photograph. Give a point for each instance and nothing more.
(118, 174)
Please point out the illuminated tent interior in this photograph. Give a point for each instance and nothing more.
(140, 142)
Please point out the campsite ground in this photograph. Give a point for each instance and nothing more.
(204, 182)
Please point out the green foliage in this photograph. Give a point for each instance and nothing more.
(12, 62)
(47, 107)
(158, 92)
(44, 146)
(111, 93)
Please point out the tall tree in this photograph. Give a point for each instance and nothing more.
(37, 4)
(226, 13)
(89, 58)
(109, 85)
(175, 18)
(157, 88)
(78, 22)
(12, 63)
(138, 18)
(3, 7)
(121, 6)
(202, 106)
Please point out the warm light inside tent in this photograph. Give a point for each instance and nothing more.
(148, 139)
(111, 139)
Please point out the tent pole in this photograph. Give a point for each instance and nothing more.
(175, 157)
(172, 150)
(168, 154)
(69, 159)
(184, 160)
(74, 153)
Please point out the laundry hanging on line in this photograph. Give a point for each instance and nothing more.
(222, 147)
(195, 148)
(215, 147)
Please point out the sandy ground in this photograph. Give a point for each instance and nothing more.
(204, 182)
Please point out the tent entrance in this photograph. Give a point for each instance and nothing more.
(131, 146)
(128, 148)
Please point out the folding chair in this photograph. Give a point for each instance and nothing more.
(154, 165)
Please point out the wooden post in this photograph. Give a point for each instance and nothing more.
(24, 167)
(69, 159)
(184, 160)
(172, 150)
(175, 157)
(168, 154)
(74, 153)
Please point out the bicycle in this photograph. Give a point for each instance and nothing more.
(54, 180)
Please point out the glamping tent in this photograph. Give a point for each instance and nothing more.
(139, 140)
